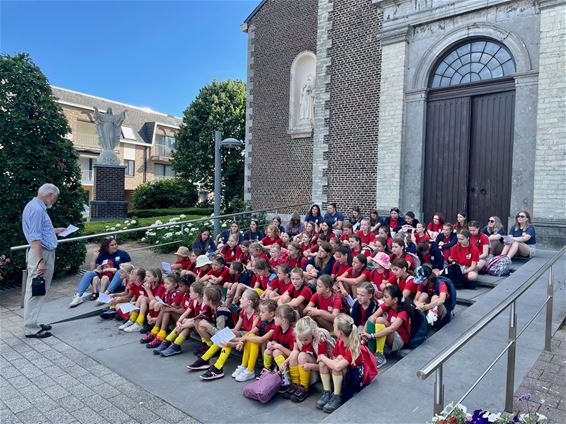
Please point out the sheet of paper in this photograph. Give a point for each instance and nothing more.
(159, 300)
(104, 298)
(69, 230)
(87, 294)
(127, 307)
(166, 266)
(222, 337)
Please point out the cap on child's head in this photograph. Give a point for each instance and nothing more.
(202, 260)
(108, 262)
(183, 251)
(422, 273)
(382, 259)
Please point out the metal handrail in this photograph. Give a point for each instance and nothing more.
(169, 224)
(435, 364)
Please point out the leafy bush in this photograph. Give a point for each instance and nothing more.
(149, 213)
(34, 151)
(166, 193)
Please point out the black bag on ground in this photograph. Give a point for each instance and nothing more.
(38, 286)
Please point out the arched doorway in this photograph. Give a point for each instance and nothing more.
(469, 132)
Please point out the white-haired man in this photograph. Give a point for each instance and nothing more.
(41, 236)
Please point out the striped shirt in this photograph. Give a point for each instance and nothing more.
(37, 225)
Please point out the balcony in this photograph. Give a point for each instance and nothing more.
(161, 152)
(86, 140)
(87, 176)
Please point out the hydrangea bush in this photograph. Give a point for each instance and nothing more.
(126, 225)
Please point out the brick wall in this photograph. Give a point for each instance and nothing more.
(355, 71)
(550, 163)
(393, 58)
(280, 168)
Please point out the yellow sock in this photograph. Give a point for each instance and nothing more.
(172, 336)
(180, 339)
(155, 330)
(267, 360)
(325, 378)
(134, 316)
(246, 354)
(279, 359)
(304, 377)
(337, 380)
(141, 319)
(161, 334)
(208, 343)
(380, 341)
(223, 357)
(295, 374)
(210, 352)
(254, 352)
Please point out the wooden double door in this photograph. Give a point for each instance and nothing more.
(469, 150)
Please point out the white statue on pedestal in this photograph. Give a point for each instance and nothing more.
(108, 127)
(306, 103)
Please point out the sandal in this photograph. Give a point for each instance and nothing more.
(93, 296)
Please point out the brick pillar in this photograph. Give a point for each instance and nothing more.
(109, 193)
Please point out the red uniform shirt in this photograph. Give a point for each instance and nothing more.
(191, 304)
(158, 291)
(352, 273)
(224, 273)
(208, 313)
(245, 259)
(391, 315)
(173, 297)
(442, 288)
(407, 283)
(340, 349)
(184, 262)
(366, 238)
(408, 258)
(392, 223)
(446, 252)
(327, 304)
(286, 339)
(298, 262)
(344, 237)
(378, 278)
(480, 241)
(231, 255)
(274, 262)
(265, 327)
(320, 349)
(137, 290)
(464, 256)
(285, 286)
(262, 280)
(247, 321)
(420, 238)
(304, 291)
(338, 269)
(434, 228)
(266, 241)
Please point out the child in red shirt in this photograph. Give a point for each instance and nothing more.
(296, 258)
(272, 236)
(400, 276)
(354, 276)
(481, 241)
(218, 274)
(343, 256)
(419, 235)
(283, 339)
(347, 232)
(366, 236)
(152, 284)
(310, 342)
(299, 295)
(231, 251)
(324, 305)
(183, 261)
(345, 355)
(465, 255)
(380, 274)
(279, 284)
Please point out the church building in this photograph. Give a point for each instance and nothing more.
(426, 105)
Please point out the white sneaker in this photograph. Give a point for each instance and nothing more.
(125, 325)
(133, 328)
(76, 301)
(245, 376)
(238, 371)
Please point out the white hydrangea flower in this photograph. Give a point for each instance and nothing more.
(143, 239)
(158, 222)
(133, 221)
(190, 224)
(187, 230)
(126, 222)
(156, 241)
(178, 233)
(112, 229)
(118, 225)
(182, 216)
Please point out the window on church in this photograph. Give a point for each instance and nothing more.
(473, 61)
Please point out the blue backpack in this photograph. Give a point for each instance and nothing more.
(451, 303)
(419, 329)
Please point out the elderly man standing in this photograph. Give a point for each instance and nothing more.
(41, 236)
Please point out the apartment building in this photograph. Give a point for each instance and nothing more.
(146, 144)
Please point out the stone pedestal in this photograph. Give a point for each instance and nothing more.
(109, 193)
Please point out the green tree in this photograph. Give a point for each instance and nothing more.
(168, 193)
(33, 151)
(218, 106)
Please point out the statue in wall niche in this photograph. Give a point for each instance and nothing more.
(108, 127)
(306, 109)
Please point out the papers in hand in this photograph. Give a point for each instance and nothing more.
(161, 301)
(166, 266)
(222, 337)
(69, 230)
(104, 298)
(127, 307)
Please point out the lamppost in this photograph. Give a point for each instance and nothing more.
(218, 144)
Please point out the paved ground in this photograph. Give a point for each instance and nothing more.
(545, 384)
(49, 380)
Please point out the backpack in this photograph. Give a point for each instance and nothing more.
(370, 365)
(415, 258)
(264, 388)
(419, 329)
(498, 266)
(450, 304)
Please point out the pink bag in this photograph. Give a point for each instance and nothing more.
(265, 388)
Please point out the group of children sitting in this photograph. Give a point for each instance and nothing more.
(307, 302)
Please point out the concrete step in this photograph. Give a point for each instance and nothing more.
(468, 296)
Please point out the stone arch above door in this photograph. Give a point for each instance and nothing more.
(511, 41)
